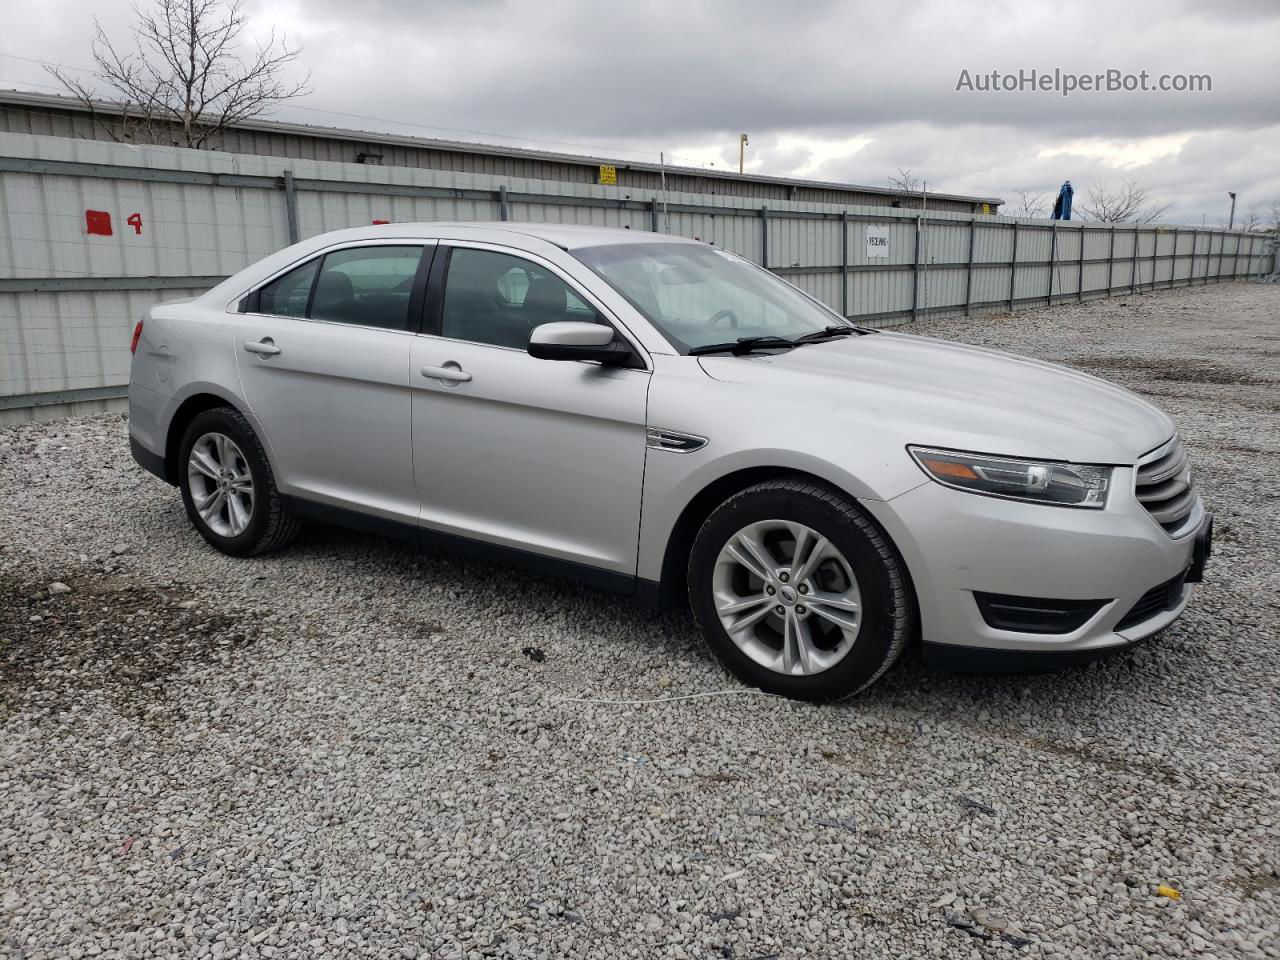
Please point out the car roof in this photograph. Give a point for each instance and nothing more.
(566, 236)
(519, 235)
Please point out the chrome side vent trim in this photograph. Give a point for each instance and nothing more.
(673, 441)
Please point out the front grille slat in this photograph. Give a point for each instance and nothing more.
(1163, 491)
(1164, 487)
(1173, 510)
(1163, 469)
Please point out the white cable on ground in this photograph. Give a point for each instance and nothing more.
(687, 696)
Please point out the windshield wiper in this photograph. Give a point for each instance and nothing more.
(829, 333)
(745, 345)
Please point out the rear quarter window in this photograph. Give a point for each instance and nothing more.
(287, 296)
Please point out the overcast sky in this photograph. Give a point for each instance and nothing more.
(846, 90)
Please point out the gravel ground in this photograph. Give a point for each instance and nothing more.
(341, 750)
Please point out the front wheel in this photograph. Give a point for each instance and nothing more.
(798, 592)
(228, 487)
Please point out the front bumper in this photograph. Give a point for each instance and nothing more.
(959, 544)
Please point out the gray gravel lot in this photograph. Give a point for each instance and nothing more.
(341, 750)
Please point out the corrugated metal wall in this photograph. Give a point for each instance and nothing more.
(68, 299)
(287, 141)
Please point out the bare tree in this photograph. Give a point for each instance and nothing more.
(1130, 203)
(1274, 217)
(906, 181)
(1028, 205)
(187, 78)
(1251, 219)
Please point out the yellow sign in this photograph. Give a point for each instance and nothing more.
(986, 208)
(609, 174)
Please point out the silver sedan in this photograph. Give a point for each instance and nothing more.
(662, 418)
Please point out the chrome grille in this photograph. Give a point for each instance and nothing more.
(1164, 487)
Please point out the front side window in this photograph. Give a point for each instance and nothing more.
(367, 286)
(698, 295)
(498, 299)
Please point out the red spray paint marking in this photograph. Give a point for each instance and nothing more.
(378, 223)
(97, 223)
(135, 221)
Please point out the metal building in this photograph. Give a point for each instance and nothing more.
(48, 115)
(93, 232)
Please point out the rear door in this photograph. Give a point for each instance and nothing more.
(540, 455)
(324, 365)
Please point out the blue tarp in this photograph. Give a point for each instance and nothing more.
(1062, 206)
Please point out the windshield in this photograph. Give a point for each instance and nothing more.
(700, 295)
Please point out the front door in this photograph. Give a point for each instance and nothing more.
(324, 363)
(540, 455)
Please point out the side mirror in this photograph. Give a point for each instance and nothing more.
(575, 340)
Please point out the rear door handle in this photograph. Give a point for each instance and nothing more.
(263, 348)
(450, 373)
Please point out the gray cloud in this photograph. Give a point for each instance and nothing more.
(563, 67)
(666, 76)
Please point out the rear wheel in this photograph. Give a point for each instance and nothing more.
(798, 592)
(228, 487)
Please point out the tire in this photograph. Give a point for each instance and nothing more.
(262, 522)
(852, 644)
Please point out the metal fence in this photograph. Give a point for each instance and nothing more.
(93, 233)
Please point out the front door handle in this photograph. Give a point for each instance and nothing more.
(264, 348)
(450, 373)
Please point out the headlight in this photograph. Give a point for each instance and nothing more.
(1039, 481)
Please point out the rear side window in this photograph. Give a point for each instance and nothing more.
(367, 286)
(287, 296)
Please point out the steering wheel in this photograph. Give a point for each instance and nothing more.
(725, 314)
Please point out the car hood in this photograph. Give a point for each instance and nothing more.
(959, 396)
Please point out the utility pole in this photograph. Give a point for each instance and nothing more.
(666, 222)
(922, 229)
(742, 147)
(1231, 222)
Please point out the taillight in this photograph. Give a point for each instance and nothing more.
(137, 333)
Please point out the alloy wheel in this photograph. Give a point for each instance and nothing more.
(787, 597)
(221, 484)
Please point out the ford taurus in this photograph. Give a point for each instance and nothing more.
(664, 419)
